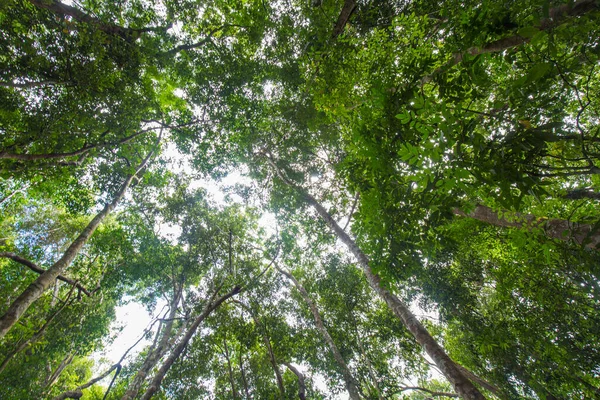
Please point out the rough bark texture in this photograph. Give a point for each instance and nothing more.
(176, 352)
(301, 381)
(348, 377)
(462, 385)
(156, 353)
(581, 234)
(46, 279)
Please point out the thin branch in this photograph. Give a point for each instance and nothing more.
(207, 39)
(352, 211)
(81, 152)
(432, 393)
(557, 16)
(35, 268)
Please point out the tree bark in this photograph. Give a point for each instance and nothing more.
(483, 383)
(581, 234)
(46, 279)
(156, 353)
(349, 380)
(347, 10)
(447, 366)
(40, 332)
(301, 381)
(176, 352)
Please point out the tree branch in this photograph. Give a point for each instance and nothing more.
(35, 268)
(557, 16)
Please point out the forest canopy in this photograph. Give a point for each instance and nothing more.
(316, 199)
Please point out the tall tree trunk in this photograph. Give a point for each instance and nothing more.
(244, 380)
(349, 380)
(234, 392)
(267, 341)
(37, 334)
(301, 381)
(582, 234)
(47, 278)
(157, 352)
(176, 352)
(368, 362)
(463, 386)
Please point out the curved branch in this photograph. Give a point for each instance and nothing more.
(207, 39)
(81, 152)
(301, 380)
(432, 393)
(76, 14)
(35, 268)
(557, 16)
(582, 234)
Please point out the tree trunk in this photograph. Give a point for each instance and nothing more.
(301, 381)
(349, 380)
(35, 268)
(367, 361)
(46, 279)
(244, 380)
(234, 392)
(449, 368)
(270, 352)
(37, 334)
(80, 16)
(156, 353)
(176, 352)
(344, 16)
(581, 234)
(582, 194)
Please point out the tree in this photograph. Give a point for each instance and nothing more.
(451, 148)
